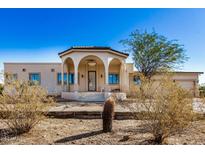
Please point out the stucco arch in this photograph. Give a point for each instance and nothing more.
(114, 69)
(90, 55)
(67, 68)
(83, 72)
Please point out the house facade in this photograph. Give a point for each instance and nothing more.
(90, 74)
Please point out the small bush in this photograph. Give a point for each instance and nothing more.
(23, 105)
(108, 114)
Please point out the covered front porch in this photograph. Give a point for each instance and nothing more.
(92, 76)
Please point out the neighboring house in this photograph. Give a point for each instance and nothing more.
(90, 73)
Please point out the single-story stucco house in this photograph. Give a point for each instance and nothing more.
(90, 74)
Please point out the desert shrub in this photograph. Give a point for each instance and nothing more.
(1, 89)
(108, 114)
(166, 107)
(22, 104)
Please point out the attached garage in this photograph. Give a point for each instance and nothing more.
(187, 80)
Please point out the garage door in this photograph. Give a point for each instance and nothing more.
(186, 84)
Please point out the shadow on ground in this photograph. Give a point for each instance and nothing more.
(78, 137)
(7, 134)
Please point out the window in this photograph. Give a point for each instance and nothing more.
(137, 80)
(71, 78)
(59, 78)
(113, 78)
(35, 78)
(10, 77)
(14, 77)
(66, 77)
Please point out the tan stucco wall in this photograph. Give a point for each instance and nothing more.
(48, 78)
(186, 80)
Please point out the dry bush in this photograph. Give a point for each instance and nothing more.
(165, 107)
(108, 114)
(22, 105)
(1, 89)
(1, 81)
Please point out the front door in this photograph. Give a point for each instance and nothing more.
(91, 81)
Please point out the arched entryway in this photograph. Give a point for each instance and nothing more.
(68, 75)
(114, 75)
(91, 74)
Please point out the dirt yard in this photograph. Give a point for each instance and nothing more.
(76, 131)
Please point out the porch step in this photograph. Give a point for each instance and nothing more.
(91, 96)
(87, 115)
(84, 96)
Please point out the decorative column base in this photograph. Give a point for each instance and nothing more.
(75, 87)
(107, 88)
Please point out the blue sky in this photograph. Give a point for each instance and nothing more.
(37, 35)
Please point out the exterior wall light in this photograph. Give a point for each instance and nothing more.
(92, 63)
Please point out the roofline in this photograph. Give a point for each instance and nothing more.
(93, 48)
(41, 63)
(175, 72)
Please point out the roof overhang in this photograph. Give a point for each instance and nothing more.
(178, 72)
(93, 49)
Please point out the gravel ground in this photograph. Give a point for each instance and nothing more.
(76, 131)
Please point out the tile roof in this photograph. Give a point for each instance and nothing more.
(94, 48)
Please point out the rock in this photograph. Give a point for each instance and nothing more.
(125, 138)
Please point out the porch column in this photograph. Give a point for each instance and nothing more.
(106, 77)
(62, 78)
(122, 77)
(67, 82)
(76, 79)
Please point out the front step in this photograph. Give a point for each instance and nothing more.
(91, 96)
(88, 115)
(84, 96)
